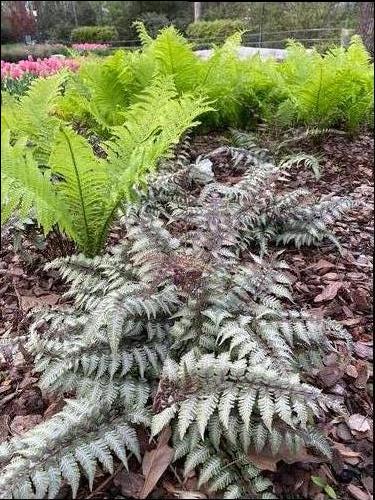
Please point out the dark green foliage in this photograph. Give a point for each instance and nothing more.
(284, 16)
(214, 31)
(154, 22)
(94, 34)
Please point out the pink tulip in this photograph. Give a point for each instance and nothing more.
(40, 67)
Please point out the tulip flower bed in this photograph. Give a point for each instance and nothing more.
(16, 77)
(39, 67)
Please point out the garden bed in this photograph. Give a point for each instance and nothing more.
(332, 284)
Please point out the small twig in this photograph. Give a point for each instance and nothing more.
(104, 483)
(181, 482)
(19, 300)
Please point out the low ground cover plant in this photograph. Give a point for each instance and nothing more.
(173, 328)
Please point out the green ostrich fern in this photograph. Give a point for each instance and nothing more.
(213, 339)
(308, 89)
(331, 90)
(32, 115)
(70, 186)
(99, 94)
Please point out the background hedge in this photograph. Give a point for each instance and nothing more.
(220, 29)
(94, 34)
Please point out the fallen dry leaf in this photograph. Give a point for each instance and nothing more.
(361, 299)
(357, 493)
(347, 454)
(23, 423)
(268, 462)
(351, 321)
(264, 462)
(364, 350)
(155, 462)
(358, 423)
(179, 493)
(363, 374)
(54, 407)
(322, 264)
(4, 427)
(343, 432)
(330, 276)
(189, 494)
(16, 271)
(330, 375)
(351, 371)
(329, 292)
(29, 302)
(130, 483)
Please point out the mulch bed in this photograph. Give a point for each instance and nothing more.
(334, 284)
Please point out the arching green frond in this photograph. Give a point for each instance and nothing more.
(82, 187)
(32, 116)
(24, 187)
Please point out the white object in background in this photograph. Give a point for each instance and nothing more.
(244, 52)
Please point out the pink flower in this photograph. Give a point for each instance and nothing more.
(40, 67)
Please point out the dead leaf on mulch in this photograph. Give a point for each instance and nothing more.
(351, 371)
(269, 462)
(322, 264)
(54, 407)
(358, 423)
(29, 302)
(4, 427)
(362, 374)
(329, 292)
(364, 350)
(347, 454)
(23, 423)
(180, 493)
(130, 483)
(330, 375)
(155, 462)
(357, 493)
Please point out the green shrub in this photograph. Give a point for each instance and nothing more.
(217, 30)
(17, 51)
(94, 34)
(154, 22)
(6, 33)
